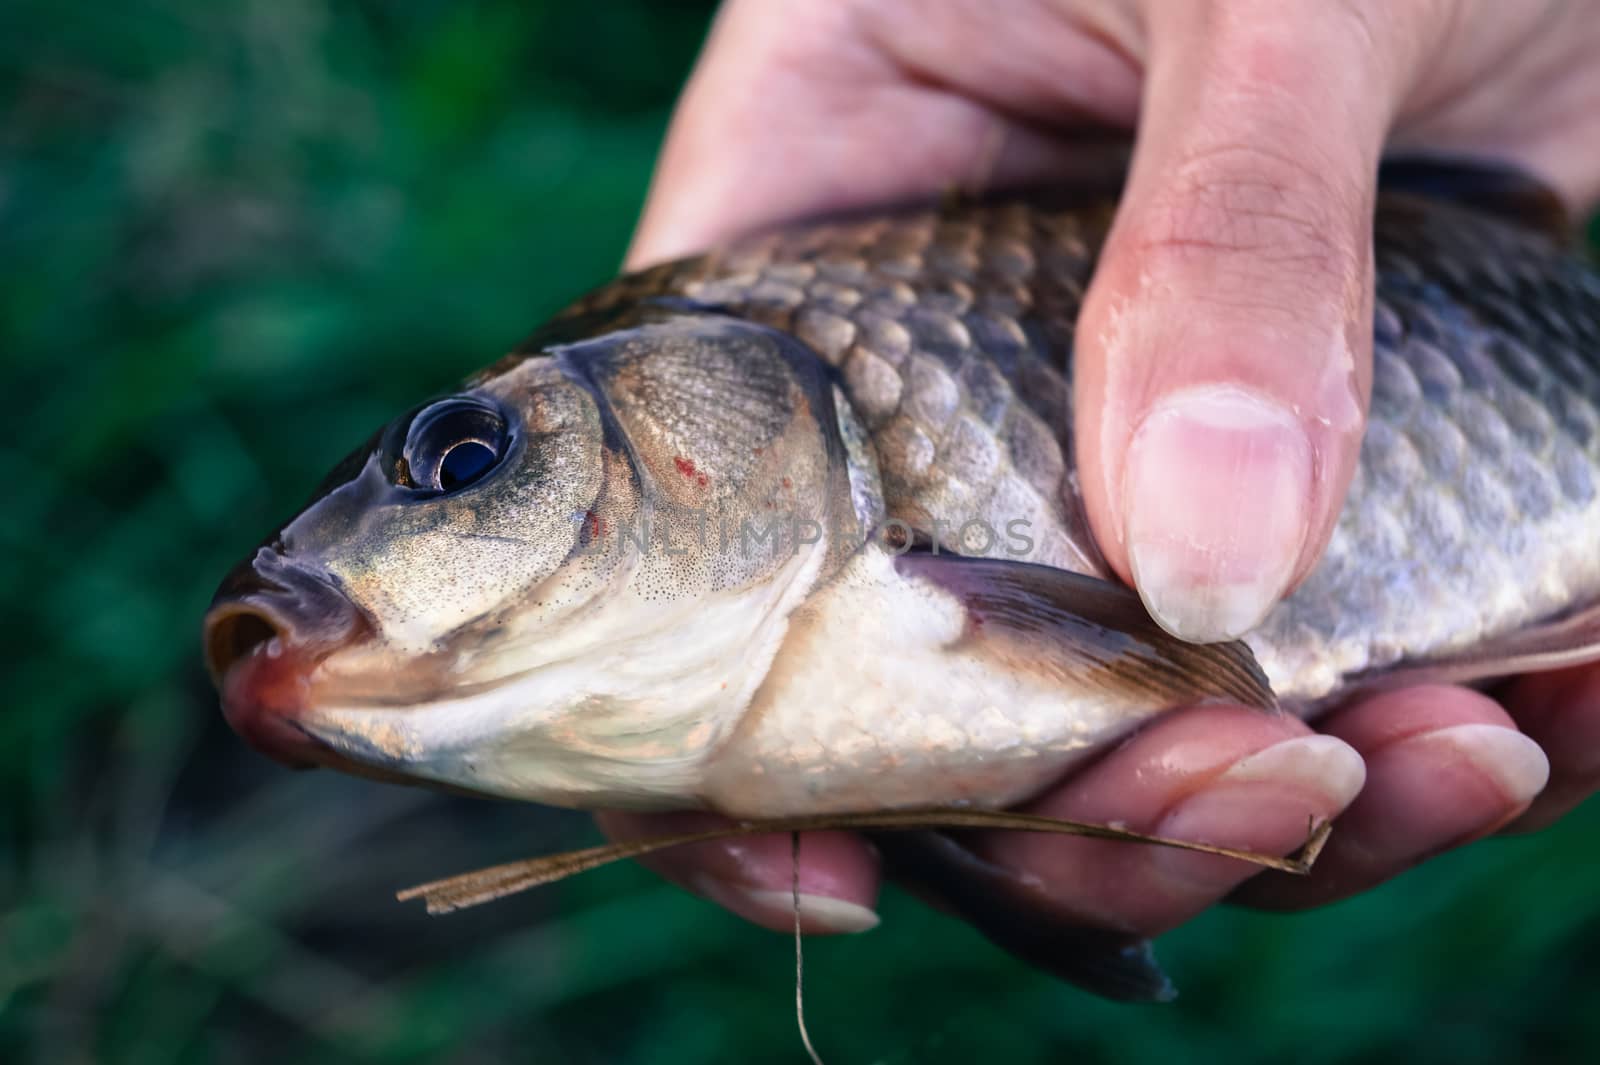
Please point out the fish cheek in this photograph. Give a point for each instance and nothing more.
(454, 569)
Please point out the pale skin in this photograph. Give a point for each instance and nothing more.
(1223, 354)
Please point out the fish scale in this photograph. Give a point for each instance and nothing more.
(1473, 513)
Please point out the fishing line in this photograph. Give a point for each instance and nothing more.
(799, 953)
(475, 888)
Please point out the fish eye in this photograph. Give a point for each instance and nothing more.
(465, 463)
(453, 443)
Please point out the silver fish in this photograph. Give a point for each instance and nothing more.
(794, 528)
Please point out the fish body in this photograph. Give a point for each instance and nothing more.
(794, 527)
(1474, 510)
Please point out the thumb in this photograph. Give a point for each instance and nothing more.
(1224, 349)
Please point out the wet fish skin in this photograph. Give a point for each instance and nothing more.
(909, 370)
(1474, 510)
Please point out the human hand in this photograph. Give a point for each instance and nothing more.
(1235, 290)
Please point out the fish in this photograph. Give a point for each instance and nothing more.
(793, 528)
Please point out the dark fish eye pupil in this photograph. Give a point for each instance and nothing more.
(451, 444)
(465, 463)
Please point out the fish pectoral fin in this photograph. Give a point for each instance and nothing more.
(1039, 618)
(1020, 920)
(1572, 639)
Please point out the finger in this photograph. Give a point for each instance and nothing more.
(753, 876)
(1560, 710)
(1224, 353)
(721, 169)
(1221, 775)
(1444, 766)
(800, 109)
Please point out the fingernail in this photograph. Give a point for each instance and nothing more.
(1400, 819)
(818, 913)
(1216, 501)
(1263, 802)
(1515, 764)
(1561, 713)
(1324, 764)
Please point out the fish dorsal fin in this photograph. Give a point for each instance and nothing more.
(1572, 639)
(1043, 617)
(1496, 188)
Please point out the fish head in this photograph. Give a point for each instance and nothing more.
(545, 586)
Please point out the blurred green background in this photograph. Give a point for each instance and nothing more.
(234, 237)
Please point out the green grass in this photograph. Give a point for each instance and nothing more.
(233, 238)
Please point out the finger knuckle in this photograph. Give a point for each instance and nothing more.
(1253, 211)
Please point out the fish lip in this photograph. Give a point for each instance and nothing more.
(301, 608)
(270, 626)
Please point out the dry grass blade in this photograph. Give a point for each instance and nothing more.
(486, 885)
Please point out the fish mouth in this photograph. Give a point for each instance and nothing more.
(269, 629)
